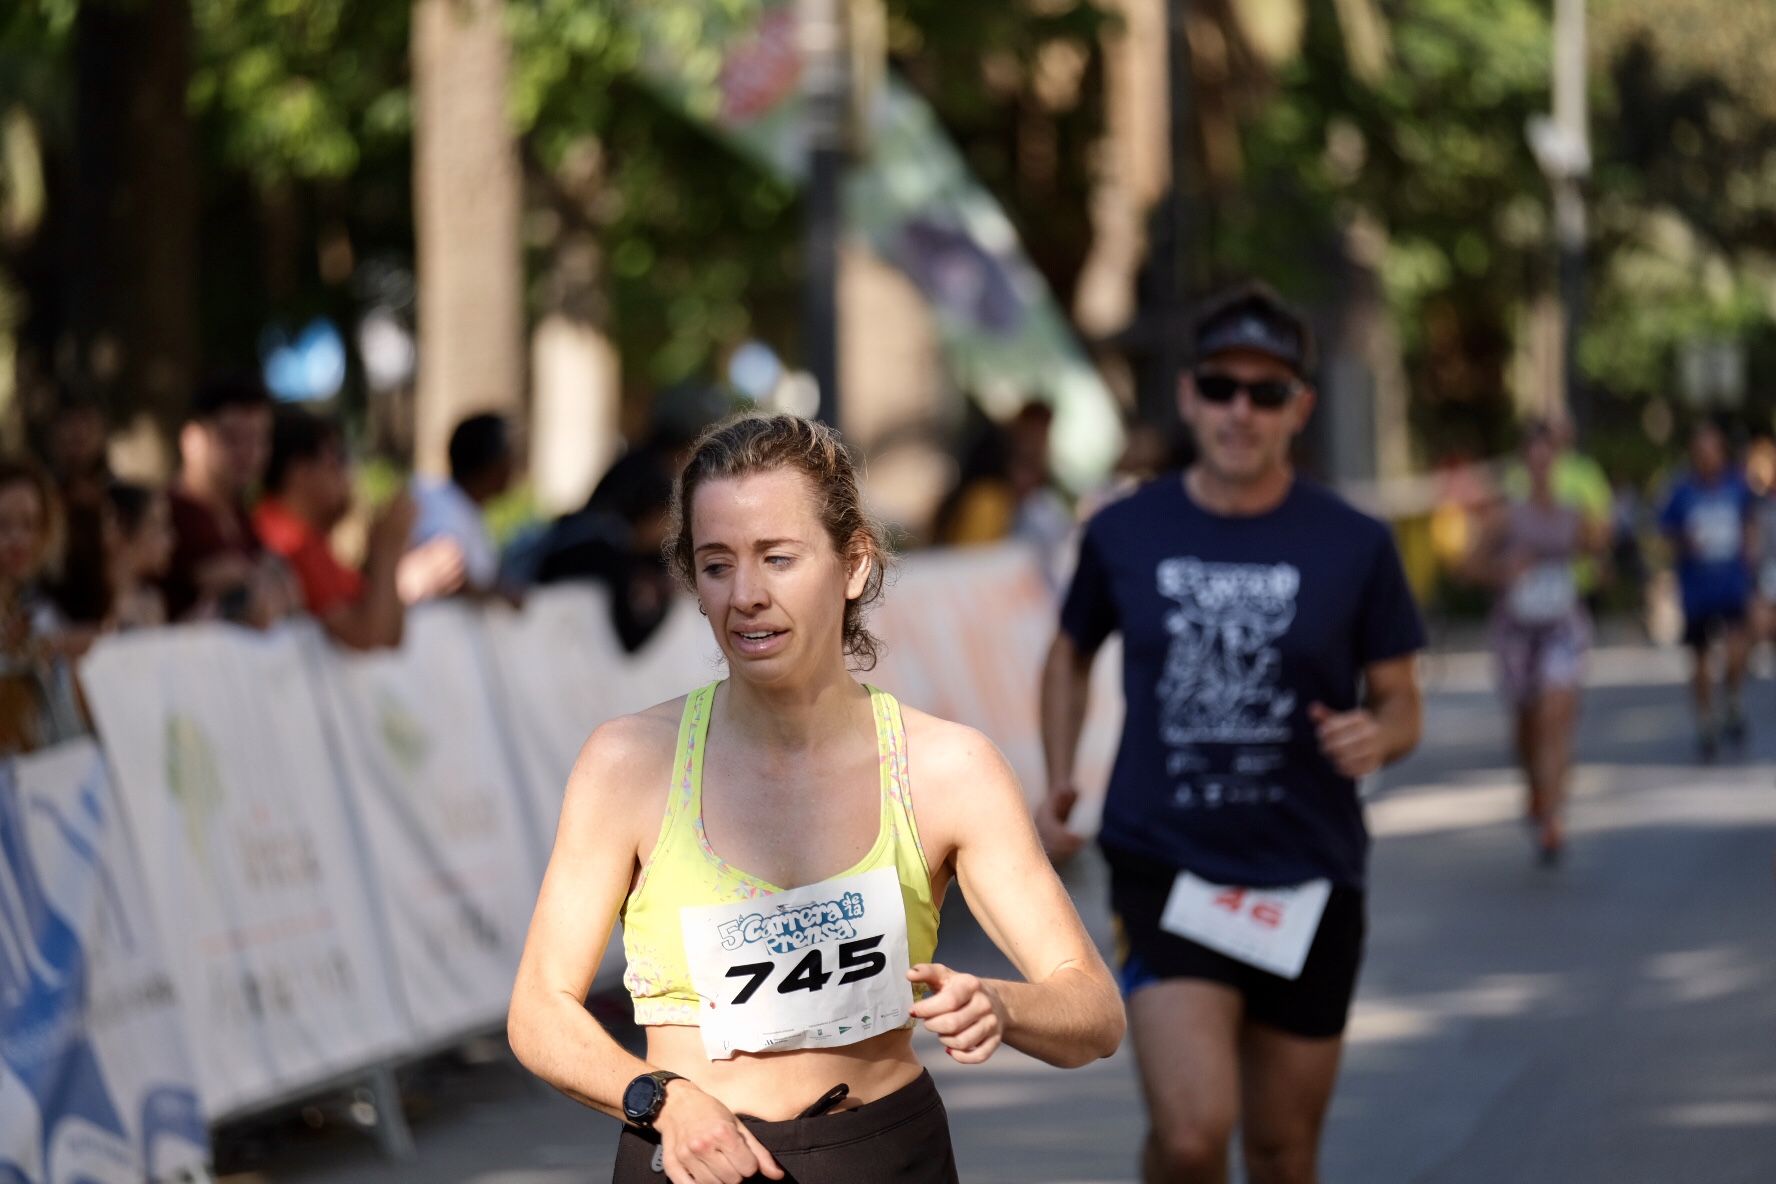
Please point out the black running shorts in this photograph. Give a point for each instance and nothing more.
(903, 1138)
(1314, 1005)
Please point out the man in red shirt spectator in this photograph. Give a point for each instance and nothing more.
(222, 453)
(307, 493)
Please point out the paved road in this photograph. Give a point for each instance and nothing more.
(1613, 1021)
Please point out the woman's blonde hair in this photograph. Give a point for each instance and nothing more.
(757, 442)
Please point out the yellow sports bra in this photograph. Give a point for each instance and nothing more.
(683, 870)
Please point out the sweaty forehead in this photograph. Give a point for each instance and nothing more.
(780, 504)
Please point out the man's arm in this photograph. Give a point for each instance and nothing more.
(1384, 729)
(1066, 696)
(377, 618)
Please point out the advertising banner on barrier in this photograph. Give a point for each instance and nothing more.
(248, 856)
(966, 635)
(563, 673)
(453, 856)
(95, 1082)
(558, 664)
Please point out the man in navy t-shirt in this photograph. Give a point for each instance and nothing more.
(1269, 643)
(1708, 520)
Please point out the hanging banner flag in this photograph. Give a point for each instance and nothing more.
(254, 874)
(455, 860)
(1005, 341)
(95, 1082)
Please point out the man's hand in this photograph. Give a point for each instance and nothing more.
(964, 1012)
(703, 1143)
(1052, 813)
(432, 569)
(1351, 740)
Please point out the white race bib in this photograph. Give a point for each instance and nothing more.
(1543, 594)
(1270, 928)
(814, 967)
(1716, 532)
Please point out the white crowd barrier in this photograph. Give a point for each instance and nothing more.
(251, 857)
(454, 854)
(340, 852)
(95, 1084)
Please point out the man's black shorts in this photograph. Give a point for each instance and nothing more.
(1314, 1005)
(903, 1138)
(1703, 625)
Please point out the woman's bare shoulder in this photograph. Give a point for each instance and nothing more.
(944, 755)
(628, 753)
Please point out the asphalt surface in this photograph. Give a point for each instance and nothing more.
(1610, 1020)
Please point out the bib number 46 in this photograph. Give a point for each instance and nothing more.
(857, 960)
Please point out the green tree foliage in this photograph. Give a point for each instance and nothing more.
(1683, 192)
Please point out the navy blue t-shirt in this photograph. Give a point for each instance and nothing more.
(1707, 522)
(1232, 627)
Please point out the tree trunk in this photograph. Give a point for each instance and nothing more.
(466, 186)
(134, 234)
(576, 379)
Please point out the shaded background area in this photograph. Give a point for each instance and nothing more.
(189, 185)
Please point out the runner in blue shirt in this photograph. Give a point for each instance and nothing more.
(1708, 520)
(1269, 644)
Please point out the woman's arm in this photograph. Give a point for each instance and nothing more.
(588, 877)
(1066, 1011)
(597, 844)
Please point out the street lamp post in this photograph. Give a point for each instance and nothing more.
(1562, 146)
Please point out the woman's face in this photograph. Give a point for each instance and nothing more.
(768, 576)
(1538, 458)
(21, 532)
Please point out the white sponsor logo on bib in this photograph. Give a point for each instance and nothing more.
(1270, 928)
(814, 967)
(1544, 594)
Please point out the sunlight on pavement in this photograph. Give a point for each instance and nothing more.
(1721, 1114)
(1608, 797)
(1494, 997)
(1607, 666)
(1702, 976)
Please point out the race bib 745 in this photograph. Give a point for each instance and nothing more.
(814, 967)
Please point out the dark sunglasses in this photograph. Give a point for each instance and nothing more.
(1267, 394)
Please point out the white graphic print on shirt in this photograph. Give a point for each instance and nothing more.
(1222, 670)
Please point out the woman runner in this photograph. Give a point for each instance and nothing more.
(1541, 632)
(777, 845)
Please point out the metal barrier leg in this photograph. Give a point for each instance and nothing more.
(393, 1134)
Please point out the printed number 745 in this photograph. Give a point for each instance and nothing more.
(857, 959)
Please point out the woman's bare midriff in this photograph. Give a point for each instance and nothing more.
(778, 1085)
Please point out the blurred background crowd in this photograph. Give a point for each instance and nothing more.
(319, 307)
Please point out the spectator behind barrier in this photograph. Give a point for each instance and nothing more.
(37, 703)
(308, 493)
(615, 540)
(138, 550)
(217, 567)
(451, 549)
(77, 464)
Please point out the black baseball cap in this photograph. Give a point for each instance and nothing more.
(1252, 317)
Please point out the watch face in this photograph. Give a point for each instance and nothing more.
(638, 1099)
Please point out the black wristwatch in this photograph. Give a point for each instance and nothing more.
(644, 1096)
